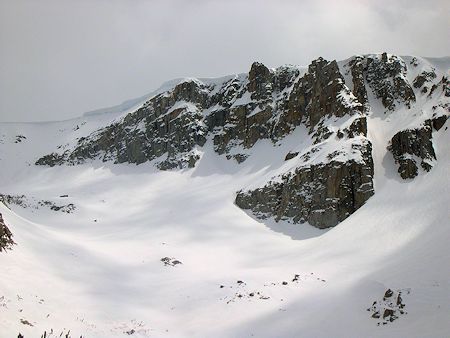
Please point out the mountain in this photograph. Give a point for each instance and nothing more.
(265, 203)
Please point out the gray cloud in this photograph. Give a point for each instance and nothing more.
(60, 58)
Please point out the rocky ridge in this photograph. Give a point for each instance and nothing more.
(330, 178)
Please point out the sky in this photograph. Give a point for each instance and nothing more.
(61, 58)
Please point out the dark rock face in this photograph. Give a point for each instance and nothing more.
(357, 67)
(160, 127)
(444, 83)
(284, 100)
(357, 128)
(411, 146)
(52, 159)
(322, 194)
(251, 115)
(260, 81)
(423, 78)
(6, 241)
(386, 76)
(322, 93)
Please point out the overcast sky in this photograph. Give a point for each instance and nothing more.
(61, 58)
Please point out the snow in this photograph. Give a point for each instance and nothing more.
(255, 111)
(187, 106)
(98, 271)
(243, 100)
(141, 127)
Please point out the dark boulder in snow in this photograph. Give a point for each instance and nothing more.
(388, 294)
(291, 155)
(439, 122)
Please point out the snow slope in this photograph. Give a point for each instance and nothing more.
(98, 272)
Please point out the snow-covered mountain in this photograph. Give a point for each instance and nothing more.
(296, 201)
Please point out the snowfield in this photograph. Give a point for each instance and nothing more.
(150, 253)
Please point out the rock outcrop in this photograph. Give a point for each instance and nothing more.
(411, 147)
(424, 78)
(386, 76)
(169, 124)
(6, 241)
(322, 194)
(255, 110)
(358, 69)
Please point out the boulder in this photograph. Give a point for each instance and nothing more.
(291, 155)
